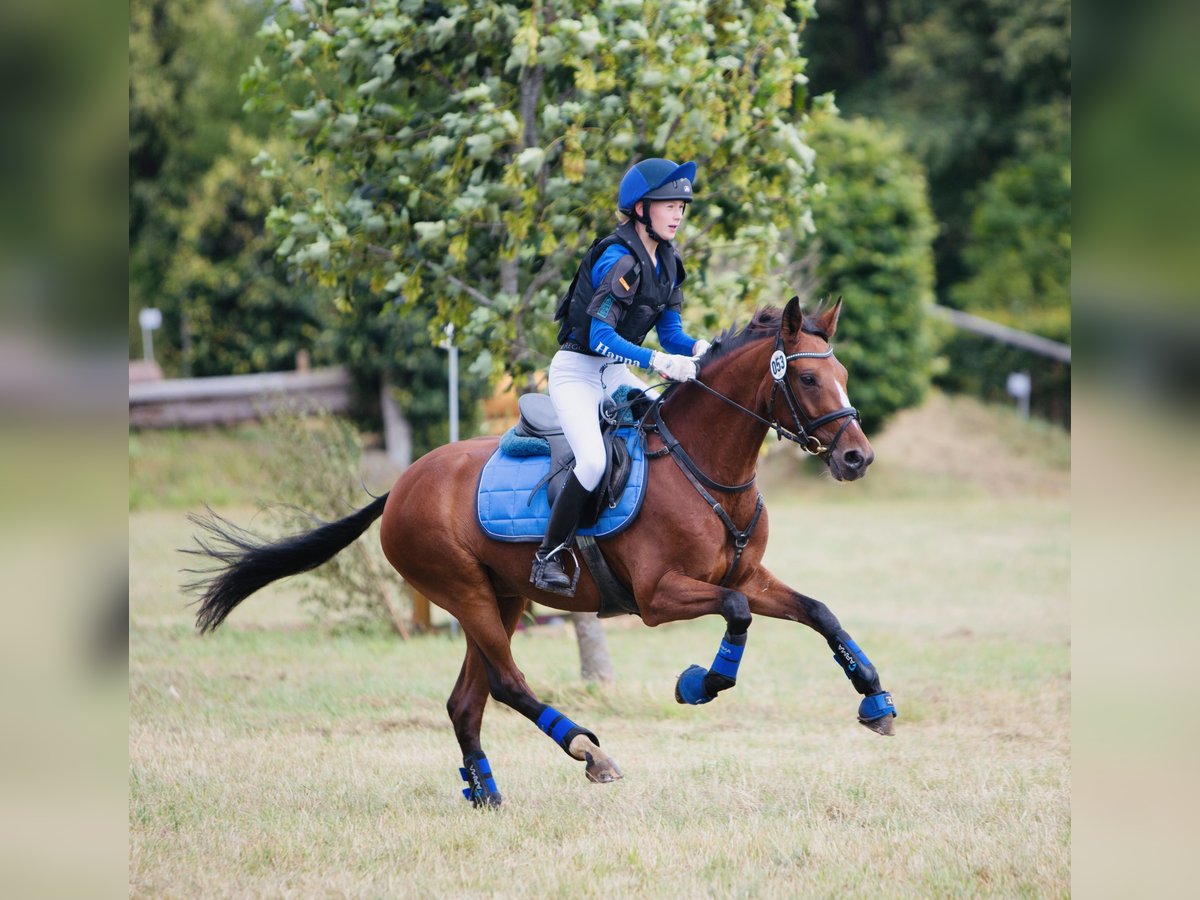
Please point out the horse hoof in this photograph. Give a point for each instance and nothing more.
(601, 768)
(882, 725)
(602, 771)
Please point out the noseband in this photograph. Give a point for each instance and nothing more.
(803, 426)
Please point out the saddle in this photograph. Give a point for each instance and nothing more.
(538, 419)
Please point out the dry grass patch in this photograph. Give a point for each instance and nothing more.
(277, 758)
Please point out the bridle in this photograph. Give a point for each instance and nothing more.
(802, 432)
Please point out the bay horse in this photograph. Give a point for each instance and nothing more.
(695, 549)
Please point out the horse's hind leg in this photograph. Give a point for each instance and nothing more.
(483, 625)
(465, 707)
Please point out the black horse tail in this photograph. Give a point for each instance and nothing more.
(247, 563)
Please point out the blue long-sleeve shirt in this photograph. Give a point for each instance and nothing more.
(603, 338)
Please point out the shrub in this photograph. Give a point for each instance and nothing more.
(317, 464)
(873, 247)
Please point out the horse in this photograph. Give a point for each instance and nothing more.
(694, 550)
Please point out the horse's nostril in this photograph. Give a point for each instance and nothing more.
(852, 458)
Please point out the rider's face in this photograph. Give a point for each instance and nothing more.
(666, 216)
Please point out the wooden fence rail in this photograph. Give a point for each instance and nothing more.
(227, 399)
(1032, 342)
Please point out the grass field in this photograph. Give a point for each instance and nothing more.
(277, 758)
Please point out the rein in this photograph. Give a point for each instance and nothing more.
(804, 426)
(802, 435)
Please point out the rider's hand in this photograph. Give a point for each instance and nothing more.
(700, 348)
(676, 368)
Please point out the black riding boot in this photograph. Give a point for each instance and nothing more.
(548, 571)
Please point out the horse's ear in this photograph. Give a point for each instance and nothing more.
(825, 322)
(793, 319)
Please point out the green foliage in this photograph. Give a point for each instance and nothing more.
(198, 245)
(873, 247)
(980, 366)
(375, 337)
(1019, 261)
(1019, 254)
(316, 464)
(966, 81)
(460, 159)
(237, 308)
(982, 91)
(184, 114)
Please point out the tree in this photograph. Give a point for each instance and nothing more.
(376, 338)
(185, 58)
(1019, 254)
(238, 310)
(964, 80)
(197, 240)
(873, 246)
(462, 157)
(981, 89)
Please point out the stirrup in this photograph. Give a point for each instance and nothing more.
(539, 570)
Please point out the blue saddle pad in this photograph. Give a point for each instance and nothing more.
(506, 511)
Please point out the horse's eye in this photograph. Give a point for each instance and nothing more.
(808, 380)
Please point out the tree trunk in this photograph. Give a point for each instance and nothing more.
(594, 662)
(397, 433)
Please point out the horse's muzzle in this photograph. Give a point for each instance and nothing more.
(850, 464)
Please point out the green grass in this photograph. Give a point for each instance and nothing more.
(174, 469)
(275, 757)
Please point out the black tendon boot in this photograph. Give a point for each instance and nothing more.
(548, 573)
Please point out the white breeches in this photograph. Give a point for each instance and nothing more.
(578, 383)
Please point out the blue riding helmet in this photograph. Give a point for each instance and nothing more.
(656, 179)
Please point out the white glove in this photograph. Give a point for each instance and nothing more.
(676, 368)
(700, 348)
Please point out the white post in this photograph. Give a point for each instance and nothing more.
(149, 319)
(453, 350)
(1020, 386)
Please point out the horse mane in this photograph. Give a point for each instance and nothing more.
(764, 323)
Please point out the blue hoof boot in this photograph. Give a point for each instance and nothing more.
(876, 706)
(689, 688)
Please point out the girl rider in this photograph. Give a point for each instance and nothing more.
(627, 284)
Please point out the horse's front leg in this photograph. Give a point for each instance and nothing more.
(771, 597)
(679, 597)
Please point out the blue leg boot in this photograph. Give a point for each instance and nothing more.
(481, 787)
(562, 730)
(698, 685)
(600, 767)
(876, 710)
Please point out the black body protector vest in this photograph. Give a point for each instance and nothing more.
(631, 296)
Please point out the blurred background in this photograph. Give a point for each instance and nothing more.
(963, 111)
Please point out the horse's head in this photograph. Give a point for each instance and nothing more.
(815, 404)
